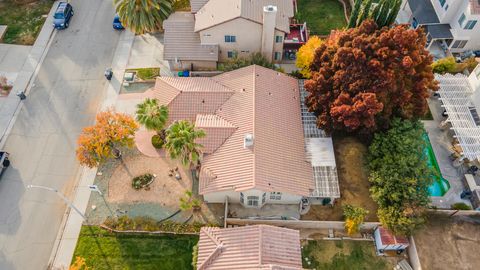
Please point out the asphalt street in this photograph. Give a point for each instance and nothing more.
(66, 94)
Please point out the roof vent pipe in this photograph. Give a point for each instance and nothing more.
(248, 140)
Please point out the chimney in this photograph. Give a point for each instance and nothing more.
(248, 140)
(268, 31)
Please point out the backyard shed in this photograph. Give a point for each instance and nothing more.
(386, 242)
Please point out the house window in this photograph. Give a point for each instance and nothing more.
(231, 54)
(252, 200)
(264, 198)
(230, 39)
(242, 198)
(278, 39)
(275, 196)
(459, 44)
(462, 19)
(278, 56)
(470, 24)
(442, 2)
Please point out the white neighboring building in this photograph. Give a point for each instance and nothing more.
(449, 24)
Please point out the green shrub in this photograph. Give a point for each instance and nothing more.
(460, 206)
(148, 73)
(157, 141)
(253, 59)
(444, 65)
(195, 256)
(125, 223)
(141, 181)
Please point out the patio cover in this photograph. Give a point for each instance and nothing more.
(439, 31)
(319, 152)
(423, 11)
(456, 96)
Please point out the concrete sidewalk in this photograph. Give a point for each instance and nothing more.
(11, 104)
(67, 239)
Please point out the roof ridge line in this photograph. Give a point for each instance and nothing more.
(218, 248)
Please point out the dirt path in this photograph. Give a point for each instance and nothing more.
(350, 156)
(449, 243)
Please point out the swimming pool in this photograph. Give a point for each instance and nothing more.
(440, 185)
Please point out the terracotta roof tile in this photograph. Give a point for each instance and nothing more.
(254, 100)
(389, 239)
(249, 247)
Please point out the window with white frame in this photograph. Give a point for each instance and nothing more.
(242, 198)
(442, 2)
(230, 39)
(459, 44)
(278, 39)
(275, 196)
(470, 24)
(231, 54)
(461, 20)
(278, 55)
(252, 200)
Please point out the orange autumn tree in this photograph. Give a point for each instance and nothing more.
(102, 141)
(364, 77)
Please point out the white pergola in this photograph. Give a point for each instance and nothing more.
(320, 153)
(456, 97)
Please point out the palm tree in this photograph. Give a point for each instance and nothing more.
(152, 116)
(180, 142)
(143, 16)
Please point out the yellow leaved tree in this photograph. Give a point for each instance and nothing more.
(306, 54)
(354, 217)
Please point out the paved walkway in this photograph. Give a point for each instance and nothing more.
(12, 60)
(441, 144)
(147, 51)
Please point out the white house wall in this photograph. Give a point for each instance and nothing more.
(248, 38)
(234, 197)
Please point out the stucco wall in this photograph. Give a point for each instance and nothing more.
(234, 197)
(248, 38)
(197, 65)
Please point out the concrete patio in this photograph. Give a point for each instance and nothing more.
(441, 141)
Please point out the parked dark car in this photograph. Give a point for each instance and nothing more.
(117, 24)
(4, 162)
(63, 15)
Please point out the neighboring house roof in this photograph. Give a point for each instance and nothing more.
(423, 11)
(440, 31)
(475, 7)
(251, 100)
(197, 4)
(249, 247)
(182, 43)
(216, 12)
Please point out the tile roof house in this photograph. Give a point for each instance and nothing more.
(254, 151)
(249, 247)
(449, 24)
(217, 30)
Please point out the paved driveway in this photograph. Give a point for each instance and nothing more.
(65, 96)
(12, 58)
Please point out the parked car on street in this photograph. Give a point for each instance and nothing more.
(4, 162)
(63, 15)
(117, 24)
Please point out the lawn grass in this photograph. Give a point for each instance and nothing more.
(104, 250)
(342, 255)
(321, 16)
(24, 21)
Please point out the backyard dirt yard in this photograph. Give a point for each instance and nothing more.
(165, 190)
(449, 243)
(350, 156)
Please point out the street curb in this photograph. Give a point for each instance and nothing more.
(62, 252)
